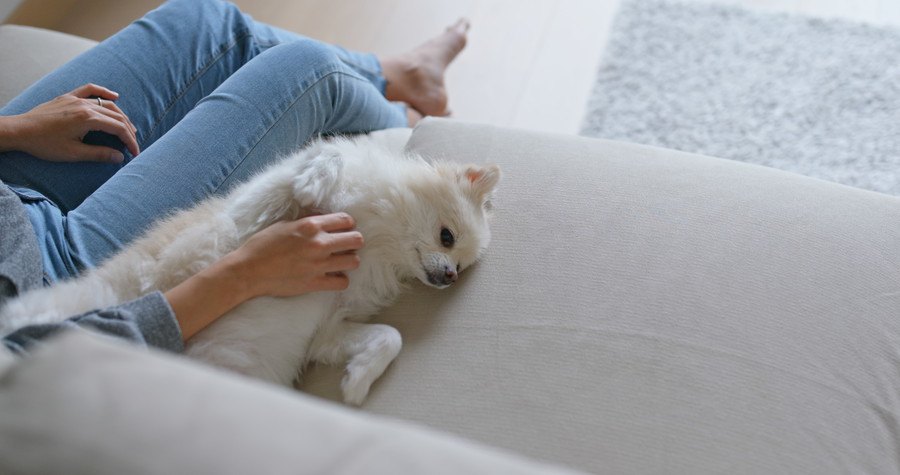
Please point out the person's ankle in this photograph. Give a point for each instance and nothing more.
(412, 116)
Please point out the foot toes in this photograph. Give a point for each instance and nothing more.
(462, 25)
(412, 116)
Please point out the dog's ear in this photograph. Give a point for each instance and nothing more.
(479, 181)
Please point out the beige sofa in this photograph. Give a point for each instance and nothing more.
(640, 310)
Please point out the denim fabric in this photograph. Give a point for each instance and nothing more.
(215, 96)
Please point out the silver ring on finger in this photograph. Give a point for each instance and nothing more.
(100, 102)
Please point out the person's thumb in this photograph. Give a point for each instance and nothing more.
(98, 153)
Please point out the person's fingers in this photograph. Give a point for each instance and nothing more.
(345, 241)
(97, 153)
(340, 263)
(93, 90)
(335, 281)
(117, 116)
(335, 222)
(117, 128)
(113, 107)
(89, 90)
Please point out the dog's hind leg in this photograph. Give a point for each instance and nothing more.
(295, 187)
(318, 177)
(370, 348)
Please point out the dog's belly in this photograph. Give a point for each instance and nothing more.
(266, 338)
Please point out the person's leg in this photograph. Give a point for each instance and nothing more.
(366, 65)
(277, 102)
(416, 77)
(162, 65)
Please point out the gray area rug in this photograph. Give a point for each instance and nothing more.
(812, 96)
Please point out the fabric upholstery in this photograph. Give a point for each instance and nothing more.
(27, 54)
(86, 405)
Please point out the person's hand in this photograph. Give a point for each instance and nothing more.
(54, 130)
(285, 259)
(295, 257)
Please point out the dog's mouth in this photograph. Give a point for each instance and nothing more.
(436, 282)
(436, 275)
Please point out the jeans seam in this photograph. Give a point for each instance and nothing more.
(281, 116)
(203, 69)
(355, 65)
(378, 73)
(76, 270)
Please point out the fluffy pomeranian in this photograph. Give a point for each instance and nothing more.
(420, 220)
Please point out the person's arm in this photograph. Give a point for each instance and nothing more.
(201, 299)
(288, 258)
(8, 133)
(148, 321)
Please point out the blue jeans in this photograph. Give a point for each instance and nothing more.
(215, 97)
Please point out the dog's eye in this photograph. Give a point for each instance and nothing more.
(447, 238)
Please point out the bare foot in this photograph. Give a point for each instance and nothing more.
(417, 76)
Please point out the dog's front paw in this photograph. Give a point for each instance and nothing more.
(356, 384)
(374, 346)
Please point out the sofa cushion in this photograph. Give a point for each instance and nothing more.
(28, 54)
(86, 405)
(647, 311)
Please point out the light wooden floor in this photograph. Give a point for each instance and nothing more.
(529, 63)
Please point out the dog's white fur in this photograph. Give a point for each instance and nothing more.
(400, 204)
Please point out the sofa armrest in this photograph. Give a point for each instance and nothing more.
(83, 404)
(27, 54)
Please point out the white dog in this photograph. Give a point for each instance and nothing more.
(419, 220)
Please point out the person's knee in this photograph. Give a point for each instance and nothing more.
(306, 55)
(197, 6)
(213, 12)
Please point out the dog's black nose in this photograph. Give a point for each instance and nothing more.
(450, 275)
(443, 277)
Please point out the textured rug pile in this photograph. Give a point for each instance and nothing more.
(819, 97)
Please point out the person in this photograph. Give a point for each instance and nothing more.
(184, 103)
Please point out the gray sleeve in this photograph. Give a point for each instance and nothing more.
(148, 321)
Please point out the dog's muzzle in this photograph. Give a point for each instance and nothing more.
(442, 277)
